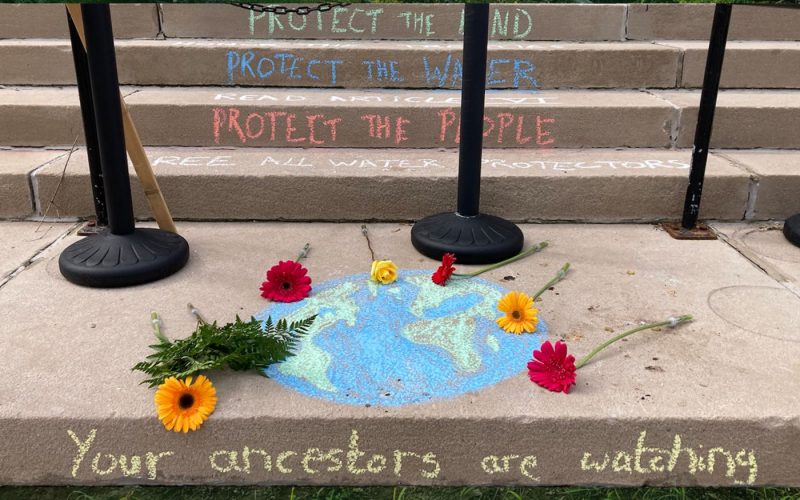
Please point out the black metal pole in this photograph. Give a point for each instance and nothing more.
(474, 238)
(89, 126)
(119, 255)
(102, 64)
(473, 96)
(705, 114)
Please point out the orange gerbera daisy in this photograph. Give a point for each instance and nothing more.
(182, 405)
(520, 314)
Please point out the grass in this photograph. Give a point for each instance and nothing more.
(389, 493)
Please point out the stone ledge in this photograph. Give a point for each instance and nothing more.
(630, 403)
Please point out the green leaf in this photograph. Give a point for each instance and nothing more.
(241, 345)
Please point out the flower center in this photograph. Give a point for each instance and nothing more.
(516, 315)
(286, 285)
(186, 401)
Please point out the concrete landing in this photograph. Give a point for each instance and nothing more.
(712, 403)
(22, 243)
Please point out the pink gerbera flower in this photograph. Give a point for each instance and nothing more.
(286, 281)
(551, 368)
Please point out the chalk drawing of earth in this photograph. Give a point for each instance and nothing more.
(408, 342)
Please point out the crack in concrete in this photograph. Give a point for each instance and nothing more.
(752, 189)
(625, 23)
(29, 262)
(675, 120)
(33, 183)
(160, 20)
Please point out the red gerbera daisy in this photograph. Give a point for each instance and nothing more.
(286, 282)
(552, 368)
(445, 270)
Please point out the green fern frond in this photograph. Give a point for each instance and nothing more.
(241, 345)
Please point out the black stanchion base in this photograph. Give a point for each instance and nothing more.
(107, 260)
(484, 239)
(791, 229)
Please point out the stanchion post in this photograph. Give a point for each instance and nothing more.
(119, 255)
(473, 237)
(705, 114)
(89, 126)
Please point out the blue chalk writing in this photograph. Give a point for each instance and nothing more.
(491, 77)
(247, 64)
(379, 70)
(512, 73)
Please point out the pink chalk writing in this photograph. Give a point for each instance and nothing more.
(312, 129)
(497, 127)
(380, 127)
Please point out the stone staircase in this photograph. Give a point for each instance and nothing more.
(590, 115)
(590, 118)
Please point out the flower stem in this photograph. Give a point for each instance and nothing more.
(671, 322)
(560, 275)
(303, 252)
(157, 327)
(535, 248)
(196, 314)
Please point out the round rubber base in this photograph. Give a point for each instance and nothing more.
(791, 229)
(107, 260)
(483, 239)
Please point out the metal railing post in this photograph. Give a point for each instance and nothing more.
(705, 114)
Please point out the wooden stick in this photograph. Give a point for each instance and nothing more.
(158, 206)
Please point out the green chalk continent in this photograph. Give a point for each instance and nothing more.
(310, 362)
(454, 334)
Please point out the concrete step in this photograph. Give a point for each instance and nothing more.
(508, 22)
(600, 185)
(693, 22)
(646, 411)
(243, 184)
(348, 118)
(747, 64)
(410, 64)
(397, 22)
(416, 22)
(410, 119)
(353, 64)
(744, 118)
(26, 20)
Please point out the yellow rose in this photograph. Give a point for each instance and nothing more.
(383, 271)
